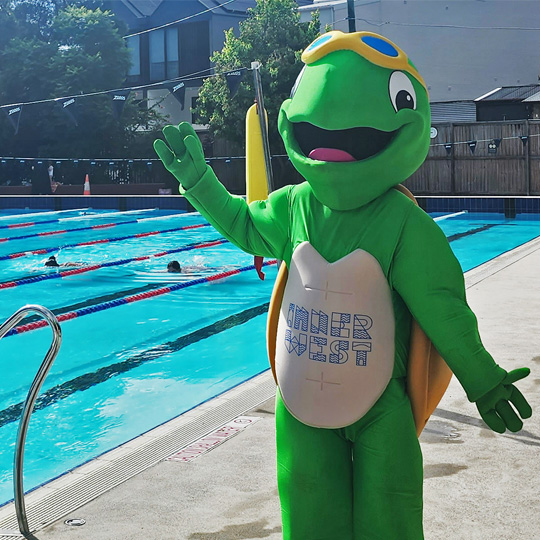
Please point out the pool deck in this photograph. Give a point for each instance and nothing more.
(478, 484)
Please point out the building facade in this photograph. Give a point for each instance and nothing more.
(462, 48)
(509, 103)
(184, 34)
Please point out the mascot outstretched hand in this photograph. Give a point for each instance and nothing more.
(364, 266)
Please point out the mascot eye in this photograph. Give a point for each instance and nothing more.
(401, 91)
(293, 91)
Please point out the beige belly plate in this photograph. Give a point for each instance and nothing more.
(335, 337)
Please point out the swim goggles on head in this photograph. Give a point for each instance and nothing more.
(375, 48)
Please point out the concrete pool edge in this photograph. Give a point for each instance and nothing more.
(479, 273)
(83, 484)
(76, 488)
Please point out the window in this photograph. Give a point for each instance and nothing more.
(172, 53)
(157, 55)
(133, 44)
(194, 48)
(163, 45)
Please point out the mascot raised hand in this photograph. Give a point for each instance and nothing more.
(365, 265)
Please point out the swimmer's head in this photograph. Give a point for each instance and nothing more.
(51, 261)
(174, 266)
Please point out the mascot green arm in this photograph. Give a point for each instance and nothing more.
(260, 228)
(434, 292)
(429, 278)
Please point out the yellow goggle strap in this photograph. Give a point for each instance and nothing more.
(375, 48)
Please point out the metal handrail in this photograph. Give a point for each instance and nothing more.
(29, 403)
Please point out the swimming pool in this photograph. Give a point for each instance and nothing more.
(146, 345)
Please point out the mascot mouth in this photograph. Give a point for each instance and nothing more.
(354, 144)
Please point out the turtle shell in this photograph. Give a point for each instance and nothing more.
(428, 375)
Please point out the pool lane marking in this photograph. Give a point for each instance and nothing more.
(78, 229)
(91, 268)
(133, 298)
(102, 241)
(457, 236)
(88, 380)
(97, 300)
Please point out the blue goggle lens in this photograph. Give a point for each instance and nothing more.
(380, 45)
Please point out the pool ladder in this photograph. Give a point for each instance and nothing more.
(20, 508)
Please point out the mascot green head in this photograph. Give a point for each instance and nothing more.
(358, 120)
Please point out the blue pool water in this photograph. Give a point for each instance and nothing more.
(125, 370)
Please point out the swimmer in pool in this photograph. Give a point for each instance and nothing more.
(174, 267)
(52, 262)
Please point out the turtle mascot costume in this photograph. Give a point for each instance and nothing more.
(365, 267)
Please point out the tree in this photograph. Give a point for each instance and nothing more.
(8, 25)
(65, 49)
(273, 35)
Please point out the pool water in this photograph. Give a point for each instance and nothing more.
(478, 238)
(123, 370)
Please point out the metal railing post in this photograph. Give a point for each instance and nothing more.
(29, 403)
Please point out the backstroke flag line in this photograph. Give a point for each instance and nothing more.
(69, 106)
(119, 99)
(14, 115)
(178, 90)
(234, 78)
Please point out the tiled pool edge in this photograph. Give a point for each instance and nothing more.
(509, 205)
(102, 202)
(83, 484)
(78, 487)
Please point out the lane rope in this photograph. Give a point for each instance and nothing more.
(448, 216)
(134, 298)
(102, 241)
(29, 224)
(91, 268)
(64, 231)
(96, 216)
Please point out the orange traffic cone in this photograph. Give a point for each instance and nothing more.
(86, 186)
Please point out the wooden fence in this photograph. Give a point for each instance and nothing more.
(452, 167)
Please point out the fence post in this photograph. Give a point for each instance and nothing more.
(452, 161)
(527, 151)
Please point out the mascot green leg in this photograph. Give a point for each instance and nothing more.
(344, 484)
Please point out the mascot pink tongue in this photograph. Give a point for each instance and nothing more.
(330, 154)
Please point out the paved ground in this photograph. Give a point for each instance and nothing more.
(478, 485)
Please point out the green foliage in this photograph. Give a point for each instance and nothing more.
(64, 49)
(273, 35)
(8, 24)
